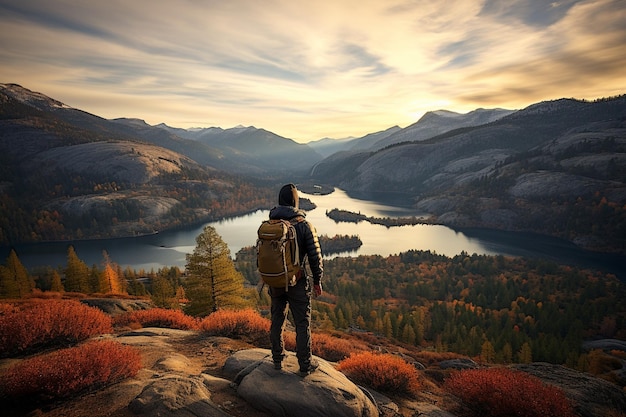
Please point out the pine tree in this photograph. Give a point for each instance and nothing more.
(14, 279)
(8, 286)
(487, 353)
(56, 285)
(525, 354)
(213, 282)
(162, 292)
(76, 273)
(111, 280)
(135, 286)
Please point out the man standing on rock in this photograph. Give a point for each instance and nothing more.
(297, 297)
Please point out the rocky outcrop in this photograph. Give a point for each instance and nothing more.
(116, 306)
(326, 392)
(176, 396)
(124, 162)
(592, 396)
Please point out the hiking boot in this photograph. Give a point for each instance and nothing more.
(278, 365)
(309, 369)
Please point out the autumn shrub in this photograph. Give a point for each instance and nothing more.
(334, 348)
(46, 295)
(430, 357)
(503, 392)
(157, 317)
(41, 324)
(382, 372)
(66, 372)
(290, 340)
(246, 323)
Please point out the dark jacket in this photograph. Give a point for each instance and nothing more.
(307, 239)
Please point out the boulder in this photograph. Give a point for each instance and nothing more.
(176, 396)
(605, 344)
(592, 396)
(114, 306)
(326, 392)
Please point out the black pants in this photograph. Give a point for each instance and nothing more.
(298, 299)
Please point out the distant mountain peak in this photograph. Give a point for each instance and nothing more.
(132, 121)
(442, 113)
(32, 98)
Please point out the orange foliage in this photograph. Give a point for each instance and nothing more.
(290, 340)
(382, 372)
(66, 372)
(502, 392)
(236, 323)
(333, 348)
(427, 357)
(157, 317)
(41, 324)
(326, 346)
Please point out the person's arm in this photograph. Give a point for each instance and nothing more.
(314, 253)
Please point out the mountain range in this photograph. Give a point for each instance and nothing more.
(556, 168)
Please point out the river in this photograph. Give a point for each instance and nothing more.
(169, 248)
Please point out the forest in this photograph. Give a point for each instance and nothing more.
(495, 309)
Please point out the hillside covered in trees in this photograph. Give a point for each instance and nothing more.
(496, 308)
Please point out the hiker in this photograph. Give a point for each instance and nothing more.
(298, 296)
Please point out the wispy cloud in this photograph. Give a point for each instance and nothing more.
(312, 70)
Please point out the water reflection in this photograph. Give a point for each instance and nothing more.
(170, 248)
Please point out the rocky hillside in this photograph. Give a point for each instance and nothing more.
(66, 174)
(191, 373)
(556, 168)
(435, 123)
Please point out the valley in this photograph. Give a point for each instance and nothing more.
(556, 168)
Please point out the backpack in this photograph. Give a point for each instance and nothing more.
(278, 255)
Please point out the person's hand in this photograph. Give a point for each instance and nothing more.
(317, 290)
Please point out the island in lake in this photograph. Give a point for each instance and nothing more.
(349, 216)
(339, 244)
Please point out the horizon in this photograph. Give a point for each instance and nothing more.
(309, 72)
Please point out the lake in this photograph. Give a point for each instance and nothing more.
(169, 248)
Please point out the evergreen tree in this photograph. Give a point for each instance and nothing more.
(213, 282)
(162, 292)
(487, 353)
(112, 281)
(56, 285)
(525, 355)
(76, 273)
(136, 287)
(97, 280)
(14, 279)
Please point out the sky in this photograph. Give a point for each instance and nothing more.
(307, 70)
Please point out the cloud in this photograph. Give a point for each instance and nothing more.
(307, 70)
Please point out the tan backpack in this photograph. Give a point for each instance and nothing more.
(278, 255)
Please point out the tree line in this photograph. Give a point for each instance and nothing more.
(496, 308)
(209, 281)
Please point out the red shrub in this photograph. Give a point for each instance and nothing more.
(333, 348)
(503, 392)
(42, 324)
(382, 372)
(67, 372)
(236, 323)
(157, 317)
